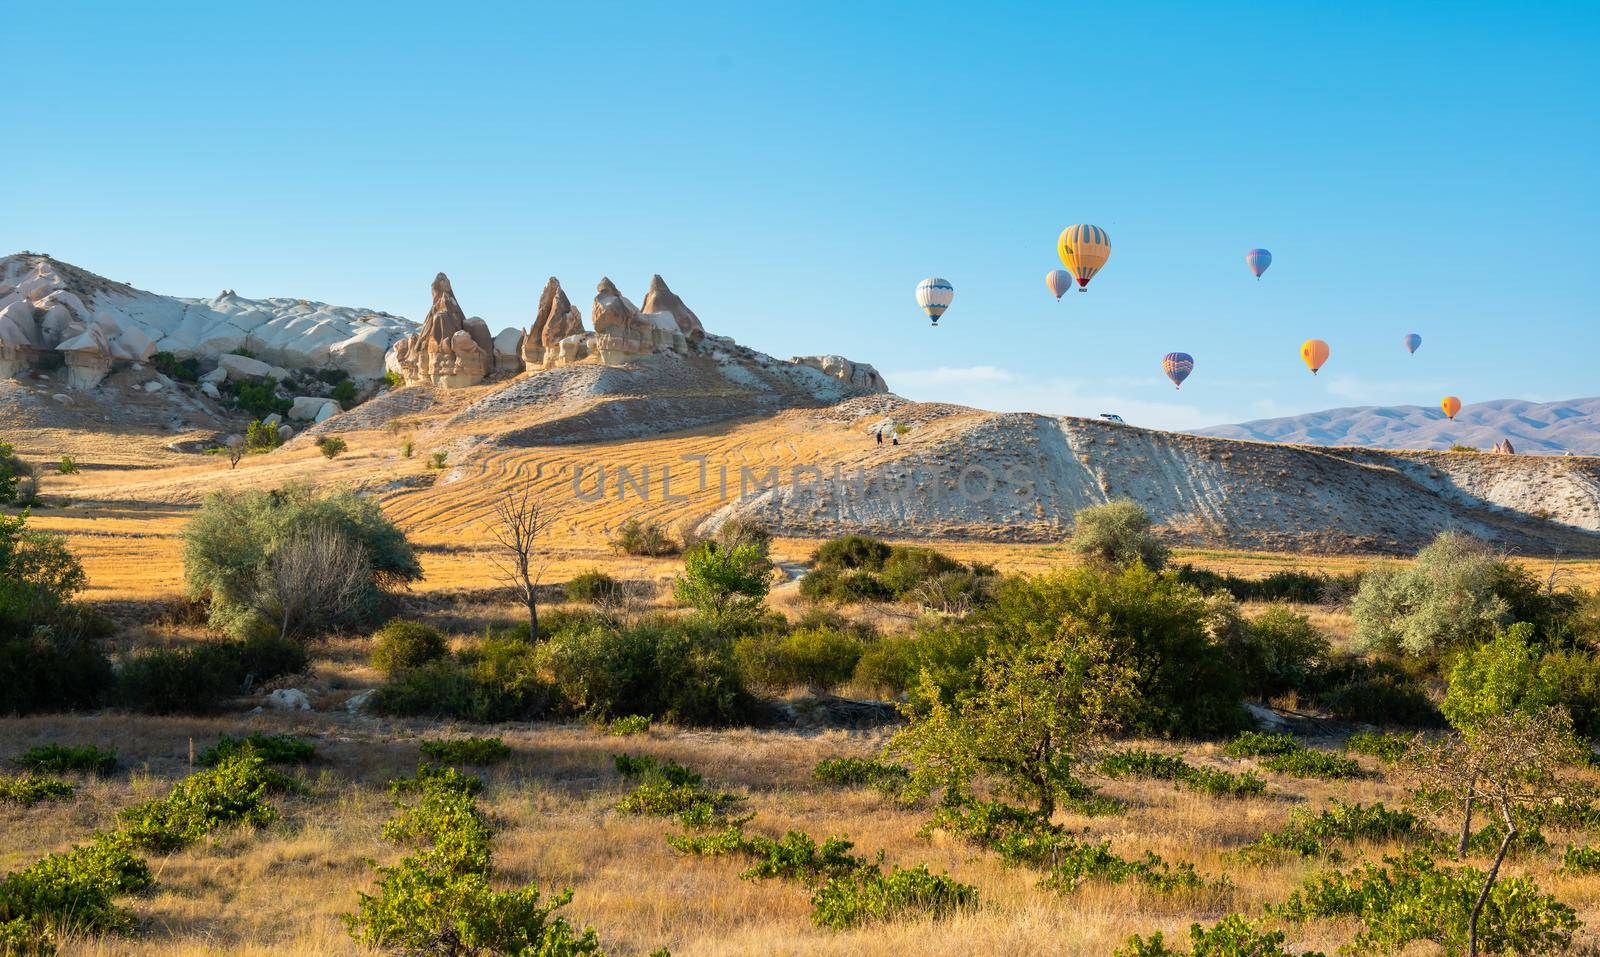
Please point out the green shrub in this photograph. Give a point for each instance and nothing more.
(436, 460)
(1496, 677)
(499, 680)
(1581, 860)
(16, 477)
(726, 586)
(795, 857)
(478, 751)
(1232, 936)
(815, 658)
(38, 579)
(1156, 627)
(844, 586)
(271, 748)
(890, 779)
(1255, 744)
(593, 586)
(258, 399)
(1377, 692)
(431, 777)
(408, 445)
(193, 679)
(344, 393)
(852, 552)
(865, 896)
(628, 724)
(1573, 680)
(1411, 898)
(1133, 762)
(1117, 534)
(648, 769)
(267, 656)
(46, 671)
(169, 365)
(67, 466)
(1457, 593)
(261, 437)
(30, 789)
(947, 652)
(1313, 764)
(234, 546)
(401, 644)
(908, 567)
(692, 804)
(232, 793)
(660, 668)
(59, 758)
(1308, 835)
(392, 379)
(72, 891)
(1388, 748)
(1281, 653)
(635, 537)
(331, 446)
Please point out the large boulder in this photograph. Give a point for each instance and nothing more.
(555, 320)
(243, 367)
(508, 352)
(362, 354)
(660, 299)
(312, 408)
(445, 352)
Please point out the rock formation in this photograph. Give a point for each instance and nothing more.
(557, 319)
(1503, 447)
(622, 332)
(508, 352)
(858, 374)
(660, 299)
(39, 315)
(450, 350)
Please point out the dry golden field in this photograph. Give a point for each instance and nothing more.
(280, 891)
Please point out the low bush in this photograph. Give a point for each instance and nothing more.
(331, 446)
(186, 369)
(844, 586)
(1376, 692)
(261, 437)
(1117, 534)
(868, 895)
(1255, 744)
(889, 779)
(30, 789)
(264, 657)
(1134, 762)
(476, 751)
(795, 857)
(650, 539)
(344, 392)
(852, 552)
(44, 670)
(258, 399)
(67, 466)
(1581, 860)
(947, 652)
(1282, 653)
(628, 724)
(1232, 936)
(593, 586)
(436, 460)
(1308, 835)
(1388, 748)
(1573, 678)
(72, 892)
(1411, 898)
(192, 679)
(666, 789)
(817, 658)
(59, 758)
(660, 667)
(1313, 764)
(232, 793)
(499, 680)
(271, 748)
(402, 644)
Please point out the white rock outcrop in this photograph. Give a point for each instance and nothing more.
(311, 408)
(243, 367)
(857, 374)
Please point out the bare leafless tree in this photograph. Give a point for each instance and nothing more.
(1512, 760)
(520, 521)
(315, 579)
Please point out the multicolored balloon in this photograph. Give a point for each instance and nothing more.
(1083, 250)
(1451, 405)
(934, 295)
(1177, 366)
(1412, 340)
(1059, 281)
(1314, 352)
(1258, 260)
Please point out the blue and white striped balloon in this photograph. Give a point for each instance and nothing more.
(934, 295)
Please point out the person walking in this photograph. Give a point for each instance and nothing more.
(895, 440)
(879, 434)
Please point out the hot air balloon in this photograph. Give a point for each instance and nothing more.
(1412, 340)
(1083, 250)
(1177, 366)
(934, 295)
(1059, 281)
(1451, 405)
(1258, 260)
(1315, 353)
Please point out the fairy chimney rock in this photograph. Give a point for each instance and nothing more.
(449, 350)
(660, 299)
(557, 319)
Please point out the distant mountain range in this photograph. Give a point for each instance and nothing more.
(1540, 428)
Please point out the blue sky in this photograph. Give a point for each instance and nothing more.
(1412, 166)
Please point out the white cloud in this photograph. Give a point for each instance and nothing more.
(1387, 392)
(1006, 390)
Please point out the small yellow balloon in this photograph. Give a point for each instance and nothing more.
(1451, 405)
(1314, 352)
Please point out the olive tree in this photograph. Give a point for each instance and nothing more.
(1118, 534)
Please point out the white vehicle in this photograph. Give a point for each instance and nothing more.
(1112, 417)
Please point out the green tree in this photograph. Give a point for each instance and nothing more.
(1117, 534)
(1498, 677)
(1039, 711)
(38, 575)
(727, 586)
